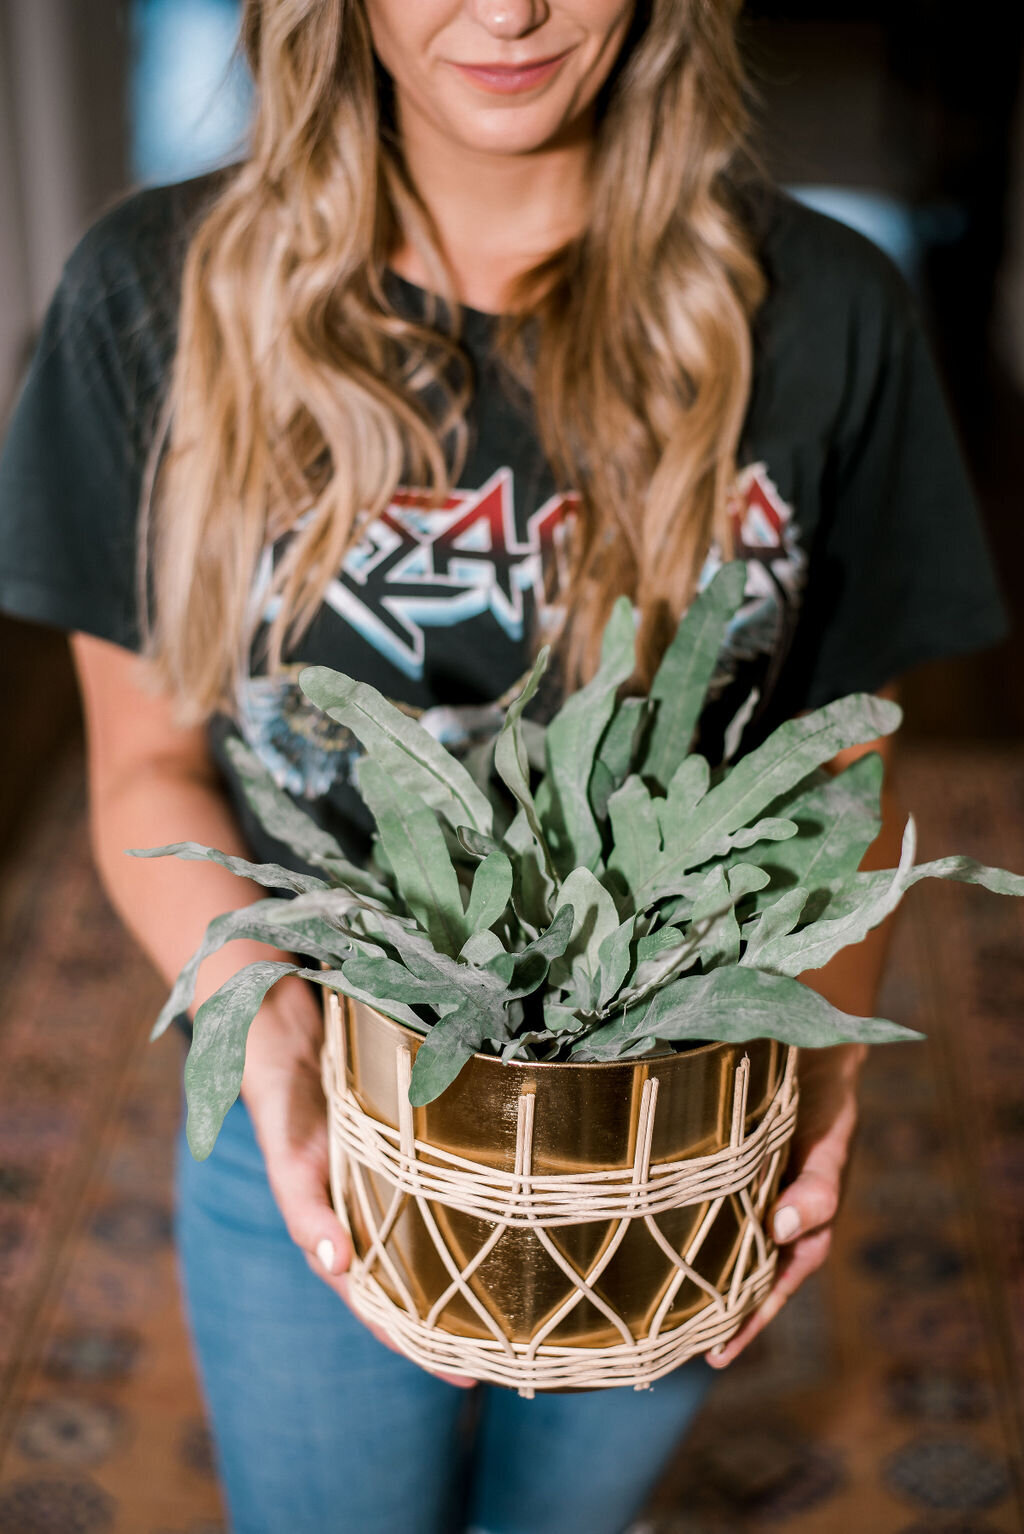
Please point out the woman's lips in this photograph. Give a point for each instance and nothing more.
(506, 78)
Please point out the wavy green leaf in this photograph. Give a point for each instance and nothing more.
(713, 920)
(734, 1004)
(533, 888)
(533, 963)
(636, 836)
(417, 763)
(213, 1070)
(770, 829)
(449, 977)
(661, 956)
(446, 1049)
(386, 980)
(775, 921)
(686, 788)
(286, 822)
(482, 948)
(307, 924)
(270, 875)
(615, 956)
(849, 896)
(817, 943)
(681, 682)
(838, 817)
(512, 764)
(490, 893)
(966, 871)
(784, 759)
(615, 752)
(734, 730)
(571, 743)
(337, 980)
(594, 918)
(418, 855)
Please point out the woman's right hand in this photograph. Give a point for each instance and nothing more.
(281, 1090)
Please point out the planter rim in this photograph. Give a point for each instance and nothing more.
(557, 1065)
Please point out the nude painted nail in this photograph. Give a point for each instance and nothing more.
(786, 1222)
(325, 1253)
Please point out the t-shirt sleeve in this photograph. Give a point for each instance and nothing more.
(899, 570)
(70, 468)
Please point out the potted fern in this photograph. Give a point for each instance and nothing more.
(563, 1004)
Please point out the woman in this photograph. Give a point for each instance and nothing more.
(495, 321)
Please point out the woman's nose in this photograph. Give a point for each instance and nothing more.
(509, 18)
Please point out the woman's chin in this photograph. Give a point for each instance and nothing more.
(503, 132)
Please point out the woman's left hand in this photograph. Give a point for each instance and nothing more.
(803, 1213)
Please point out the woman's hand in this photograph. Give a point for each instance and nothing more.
(282, 1092)
(803, 1212)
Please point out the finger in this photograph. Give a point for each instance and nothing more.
(300, 1190)
(810, 1201)
(801, 1260)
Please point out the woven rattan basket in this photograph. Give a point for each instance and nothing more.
(555, 1226)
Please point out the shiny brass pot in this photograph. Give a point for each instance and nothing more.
(712, 1101)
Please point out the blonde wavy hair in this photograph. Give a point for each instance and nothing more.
(297, 398)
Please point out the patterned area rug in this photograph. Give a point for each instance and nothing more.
(887, 1396)
(100, 1424)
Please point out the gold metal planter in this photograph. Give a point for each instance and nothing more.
(556, 1226)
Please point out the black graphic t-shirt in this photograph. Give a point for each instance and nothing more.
(852, 508)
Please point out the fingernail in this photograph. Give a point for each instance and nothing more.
(325, 1254)
(786, 1222)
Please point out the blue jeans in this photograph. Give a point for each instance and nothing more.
(319, 1428)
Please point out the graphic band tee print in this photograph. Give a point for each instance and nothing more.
(417, 570)
(849, 456)
(764, 534)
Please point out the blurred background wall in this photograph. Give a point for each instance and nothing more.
(64, 146)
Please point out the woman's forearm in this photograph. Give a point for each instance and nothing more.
(167, 902)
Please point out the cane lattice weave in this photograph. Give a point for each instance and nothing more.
(383, 1175)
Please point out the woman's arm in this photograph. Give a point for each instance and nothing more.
(151, 783)
(805, 1209)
